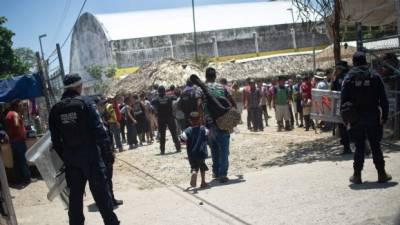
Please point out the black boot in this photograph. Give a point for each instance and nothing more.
(288, 125)
(383, 177)
(280, 126)
(346, 150)
(117, 202)
(356, 178)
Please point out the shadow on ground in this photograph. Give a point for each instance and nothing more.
(215, 183)
(372, 185)
(323, 149)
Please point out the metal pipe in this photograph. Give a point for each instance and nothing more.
(40, 42)
(194, 31)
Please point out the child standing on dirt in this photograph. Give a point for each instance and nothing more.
(195, 137)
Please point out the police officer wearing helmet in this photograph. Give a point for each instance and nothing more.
(163, 106)
(78, 136)
(364, 107)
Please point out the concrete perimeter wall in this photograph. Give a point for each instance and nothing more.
(136, 52)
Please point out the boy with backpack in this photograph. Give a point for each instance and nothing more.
(195, 137)
(189, 101)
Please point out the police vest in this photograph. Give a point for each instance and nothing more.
(73, 119)
(363, 92)
(164, 106)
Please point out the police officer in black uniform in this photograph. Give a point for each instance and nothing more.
(107, 151)
(341, 70)
(163, 106)
(365, 109)
(78, 137)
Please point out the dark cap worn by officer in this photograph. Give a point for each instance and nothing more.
(164, 110)
(364, 107)
(78, 135)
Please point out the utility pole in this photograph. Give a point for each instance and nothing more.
(44, 84)
(60, 61)
(313, 46)
(292, 30)
(398, 18)
(194, 32)
(359, 36)
(255, 37)
(41, 46)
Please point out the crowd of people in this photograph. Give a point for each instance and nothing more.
(87, 131)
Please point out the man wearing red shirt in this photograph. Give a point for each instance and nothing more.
(306, 87)
(17, 136)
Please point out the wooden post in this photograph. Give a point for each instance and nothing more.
(7, 205)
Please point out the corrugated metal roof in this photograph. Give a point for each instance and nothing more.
(137, 24)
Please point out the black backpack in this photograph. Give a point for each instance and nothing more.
(188, 102)
(73, 119)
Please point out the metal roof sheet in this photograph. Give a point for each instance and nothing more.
(138, 24)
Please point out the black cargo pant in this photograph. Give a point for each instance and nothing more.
(256, 118)
(76, 178)
(359, 133)
(163, 123)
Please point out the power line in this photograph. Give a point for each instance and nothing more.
(80, 11)
(62, 20)
(72, 29)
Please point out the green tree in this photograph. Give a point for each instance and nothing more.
(96, 71)
(10, 64)
(111, 70)
(27, 58)
(6, 53)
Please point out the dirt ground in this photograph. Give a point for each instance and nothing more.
(143, 168)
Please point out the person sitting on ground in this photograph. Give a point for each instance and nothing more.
(195, 137)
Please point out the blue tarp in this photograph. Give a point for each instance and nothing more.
(21, 87)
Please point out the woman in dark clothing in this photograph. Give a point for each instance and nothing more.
(142, 125)
(130, 123)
